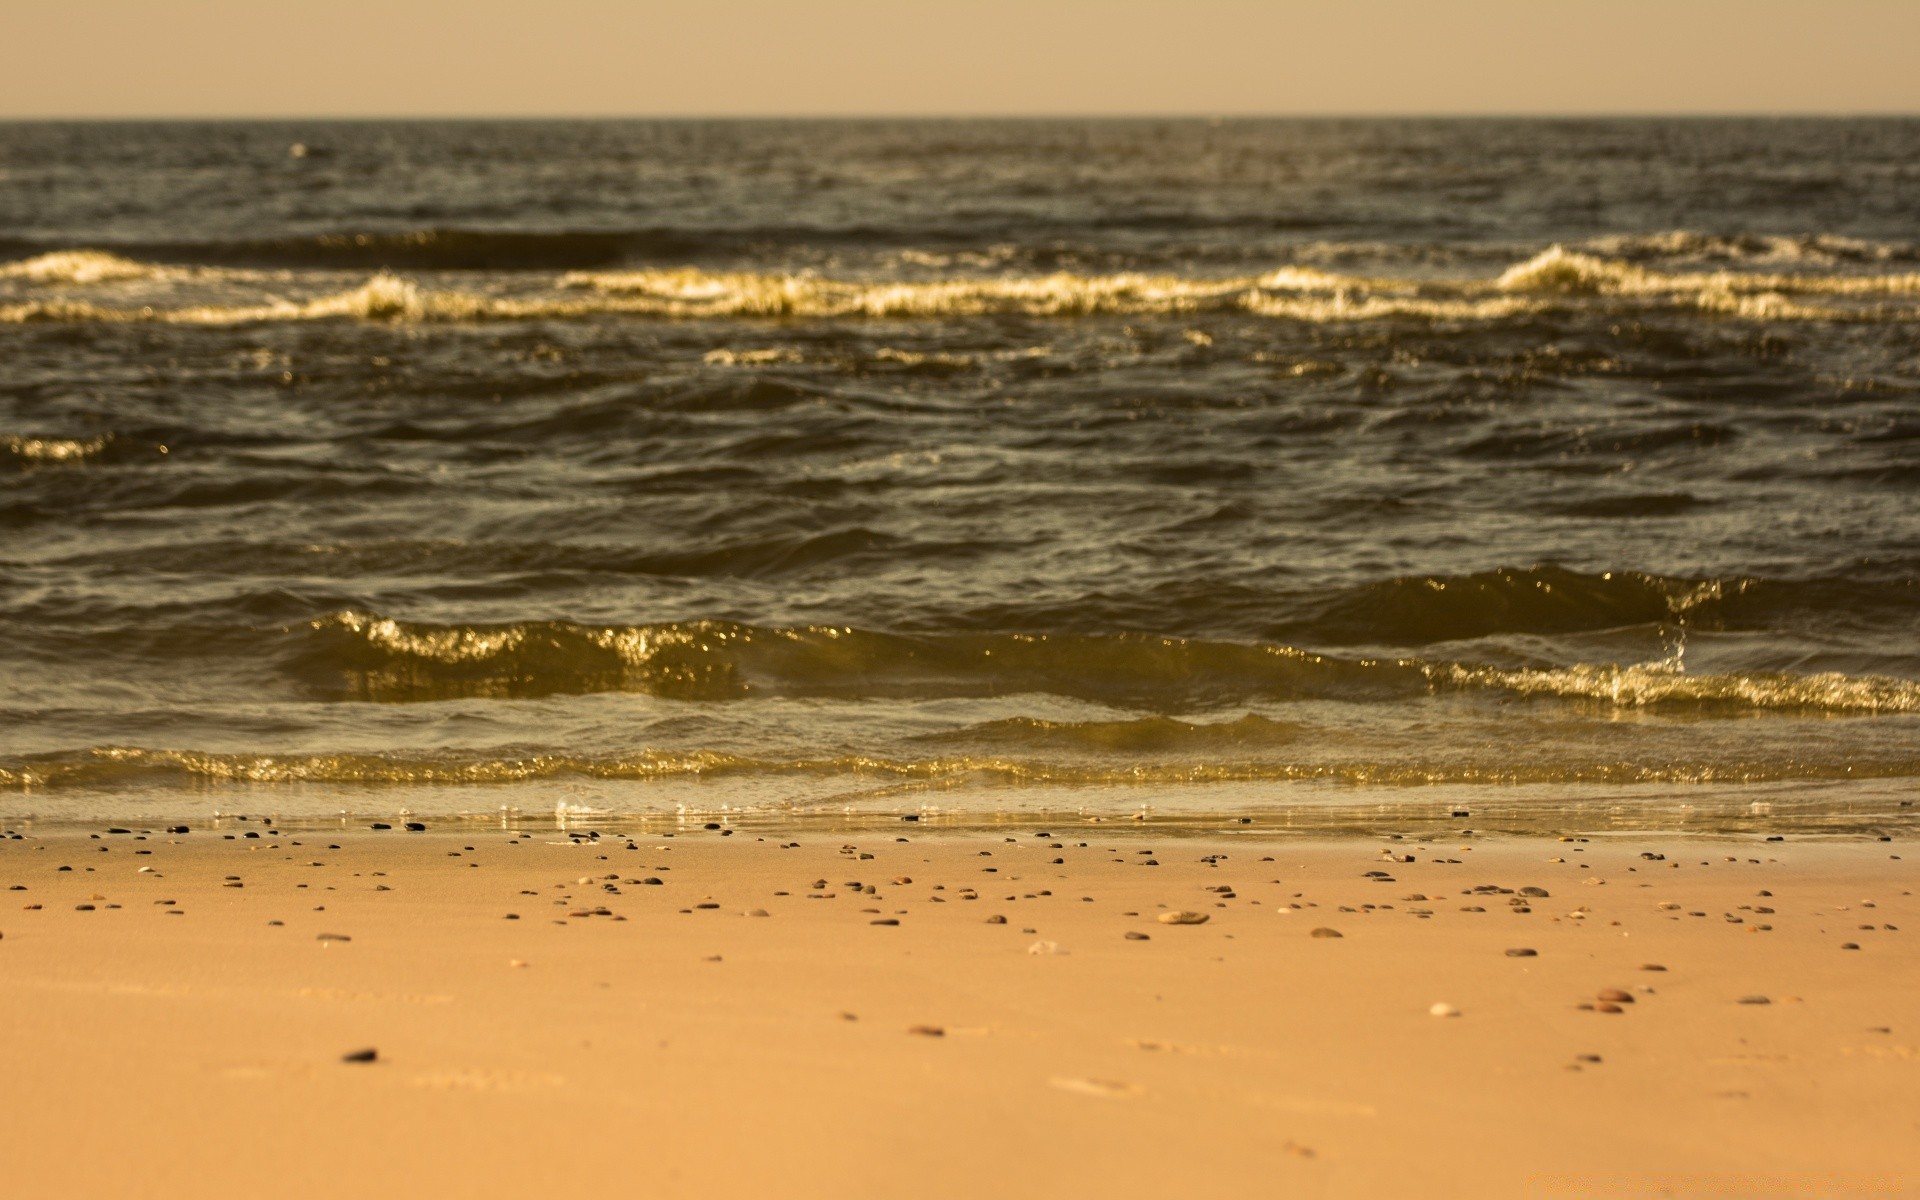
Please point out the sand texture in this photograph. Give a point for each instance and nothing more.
(1086, 1012)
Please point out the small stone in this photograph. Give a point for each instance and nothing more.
(927, 1030)
(1615, 996)
(1535, 891)
(416, 827)
(885, 921)
(1755, 1000)
(996, 919)
(333, 937)
(1523, 952)
(361, 1056)
(1849, 945)
(1608, 1007)
(1651, 967)
(1135, 936)
(1324, 932)
(1444, 1010)
(1183, 918)
(756, 912)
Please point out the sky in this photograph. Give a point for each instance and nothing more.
(362, 58)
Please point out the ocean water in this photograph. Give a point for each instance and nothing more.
(1387, 469)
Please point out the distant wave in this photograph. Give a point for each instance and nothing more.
(1553, 281)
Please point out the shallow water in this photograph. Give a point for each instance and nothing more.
(975, 468)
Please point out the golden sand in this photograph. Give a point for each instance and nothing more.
(946, 1014)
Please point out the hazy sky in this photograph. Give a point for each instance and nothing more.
(795, 57)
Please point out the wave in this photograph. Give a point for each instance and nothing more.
(1686, 245)
(86, 266)
(1547, 600)
(361, 656)
(123, 766)
(1555, 281)
(1663, 686)
(357, 656)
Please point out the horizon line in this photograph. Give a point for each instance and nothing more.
(1462, 115)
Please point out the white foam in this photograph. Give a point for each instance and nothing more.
(82, 266)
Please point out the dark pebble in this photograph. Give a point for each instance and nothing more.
(1137, 937)
(1616, 996)
(379, 825)
(1523, 953)
(927, 1030)
(333, 937)
(1651, 967)
(1535, 891)
(884, 921)
(1324, 932)
(996, 919)
(1849, 945)
(1755, 1000)
(416, 827)
(361, 1056)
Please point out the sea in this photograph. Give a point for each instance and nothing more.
(1294, 474)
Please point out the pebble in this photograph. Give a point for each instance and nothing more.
(333, 937)
(361, 1056)
(885, 921)
(927, 1030)
(1755, 1000)
(1523, 952)
(1607, 1007)
(1325, 932)
(1616, 996)
(1134, 936)
(1444, 1010)
(996, 919)
(1651, 967)
(1183, 918)
(1535, 891)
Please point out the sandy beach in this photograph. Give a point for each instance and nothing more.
(1072, 1011)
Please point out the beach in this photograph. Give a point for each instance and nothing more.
(1085, 1009)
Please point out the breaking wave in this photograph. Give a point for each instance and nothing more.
(359, 656)
(1555, 280)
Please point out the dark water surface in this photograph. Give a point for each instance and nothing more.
(979, 467)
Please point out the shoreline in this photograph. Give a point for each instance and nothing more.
(669, 1037)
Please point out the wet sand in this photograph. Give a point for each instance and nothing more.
(947, 1014)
